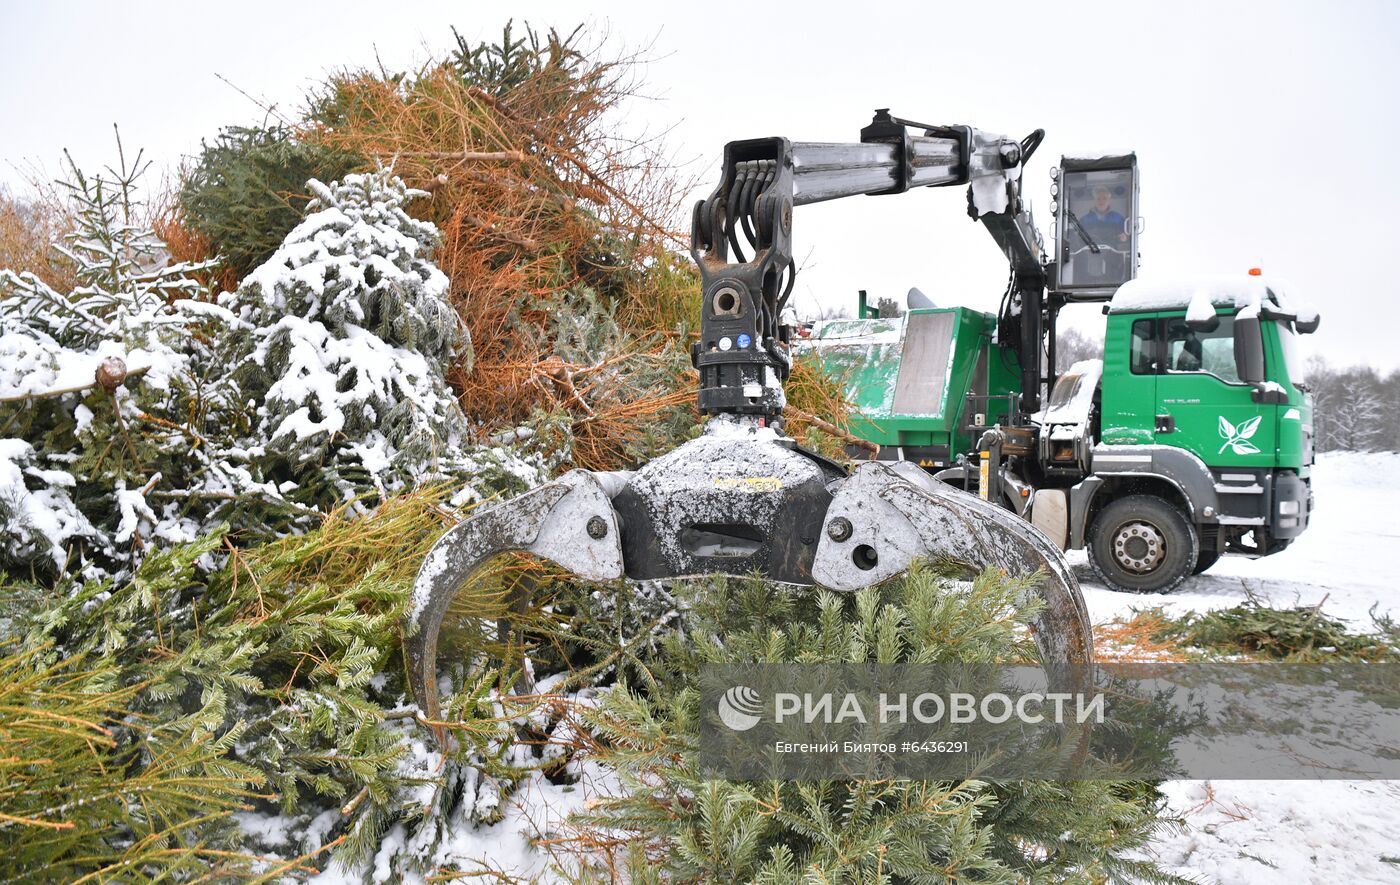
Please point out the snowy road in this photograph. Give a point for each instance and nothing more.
(1293, 831)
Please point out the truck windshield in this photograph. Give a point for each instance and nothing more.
(1292, 356)
(1095, 238)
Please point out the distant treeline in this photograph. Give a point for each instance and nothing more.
(1355, 408)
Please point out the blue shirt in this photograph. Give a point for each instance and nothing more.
(1105, 228)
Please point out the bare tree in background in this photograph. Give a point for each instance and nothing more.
(889, 309)
(1354, 408)
(1073, 345)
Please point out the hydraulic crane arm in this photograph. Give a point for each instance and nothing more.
(742, 239)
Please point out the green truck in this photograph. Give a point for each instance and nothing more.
(1190, 439)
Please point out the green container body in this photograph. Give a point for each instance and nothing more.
(909, 377)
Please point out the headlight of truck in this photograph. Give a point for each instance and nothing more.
(1288, 508)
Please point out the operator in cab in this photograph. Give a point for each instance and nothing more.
(1103, 223)
(1099, 240)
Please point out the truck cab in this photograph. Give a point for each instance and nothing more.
(1202, 438)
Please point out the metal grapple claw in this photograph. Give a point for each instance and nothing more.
(569, 521)
(741, 501)
(888, 515)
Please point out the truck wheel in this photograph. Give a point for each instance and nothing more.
(1205, 560)
(1142, 544)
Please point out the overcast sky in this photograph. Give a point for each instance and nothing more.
(1263, 129)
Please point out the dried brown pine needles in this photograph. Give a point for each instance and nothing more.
(542, 206)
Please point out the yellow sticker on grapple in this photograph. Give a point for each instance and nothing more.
(753, 484)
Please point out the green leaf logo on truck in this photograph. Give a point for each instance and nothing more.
(1237, 438)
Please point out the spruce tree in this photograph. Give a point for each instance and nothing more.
(280, 674)
(346, 336)
(134, 411)
(101, 399)
(247, 190)
(88, 790)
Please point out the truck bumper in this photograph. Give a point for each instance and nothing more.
(1292, 506)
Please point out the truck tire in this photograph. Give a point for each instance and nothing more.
(1142, 544)
(1205, 560)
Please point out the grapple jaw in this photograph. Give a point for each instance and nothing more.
(742, 501)
(569, 521)
(887, 515)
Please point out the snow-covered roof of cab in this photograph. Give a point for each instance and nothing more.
(1088, 161)
(1235, 290)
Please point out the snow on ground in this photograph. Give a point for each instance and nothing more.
(1293, 831)
(1342, 557)
(536, 810)
(515, 848)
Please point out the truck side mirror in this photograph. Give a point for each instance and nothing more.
(1249, 349)
(1204, 325)
(1307, 323)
